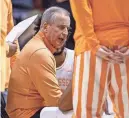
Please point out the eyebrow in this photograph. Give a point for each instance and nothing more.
(65, 26)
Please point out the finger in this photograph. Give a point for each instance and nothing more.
(119, 53)
(104, 53)
(106, 49)
(123, 49)
(116, 57)
(126, 54)
(116, 61)
(15, 42)
(112, 60)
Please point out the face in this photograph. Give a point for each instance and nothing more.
(57, 32)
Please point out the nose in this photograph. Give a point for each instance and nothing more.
(65, 31)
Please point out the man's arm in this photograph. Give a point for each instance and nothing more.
(123, 52)
(11, 48)
(65, 102)
(82, 13)
(43, 74)
(14, 57)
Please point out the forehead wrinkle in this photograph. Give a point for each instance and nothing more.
(62, 18)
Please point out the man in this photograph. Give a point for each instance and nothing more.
(33, 84)
(102, 57)
(6, 49)
(64, 73)
(12, 36)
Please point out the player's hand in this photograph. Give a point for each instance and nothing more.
(12, 49)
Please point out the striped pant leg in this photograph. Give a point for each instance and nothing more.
(120, 89)
(89, 85)
(109, 106)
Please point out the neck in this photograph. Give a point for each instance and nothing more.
(48, 45)
(60, 59)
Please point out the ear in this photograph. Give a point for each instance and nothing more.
(45, 26)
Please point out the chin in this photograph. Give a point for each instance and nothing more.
(59, 51)
(59, 47)
(62, 45)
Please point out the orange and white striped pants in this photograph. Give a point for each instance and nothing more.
(93, 78)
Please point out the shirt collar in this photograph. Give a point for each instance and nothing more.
(48, 45)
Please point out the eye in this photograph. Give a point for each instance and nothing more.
(61, 27)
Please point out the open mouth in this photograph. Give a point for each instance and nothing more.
(61, 40)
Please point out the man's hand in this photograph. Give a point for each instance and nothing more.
(104, 53)
(12, 49)
(65, 102)
(107, 54)
(123, 52)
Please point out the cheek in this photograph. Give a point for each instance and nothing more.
(55, 36)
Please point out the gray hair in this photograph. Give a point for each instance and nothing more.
(50, 15)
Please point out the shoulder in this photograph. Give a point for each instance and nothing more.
(70, 53)
(69, 60)
(69, 50)
(42, 55)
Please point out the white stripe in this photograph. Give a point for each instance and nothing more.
(124, 90)
(85, 83)
(110, 105)
(114, 85)
(98, 69)
(75, 94)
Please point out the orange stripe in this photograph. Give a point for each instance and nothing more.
(73, 116)
(102, 85)
(116, 116)
(112, 96)
(91, 85)
(119, 83)
(79, 107)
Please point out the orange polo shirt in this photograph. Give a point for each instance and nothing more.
(100, 22)
(33, 82)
